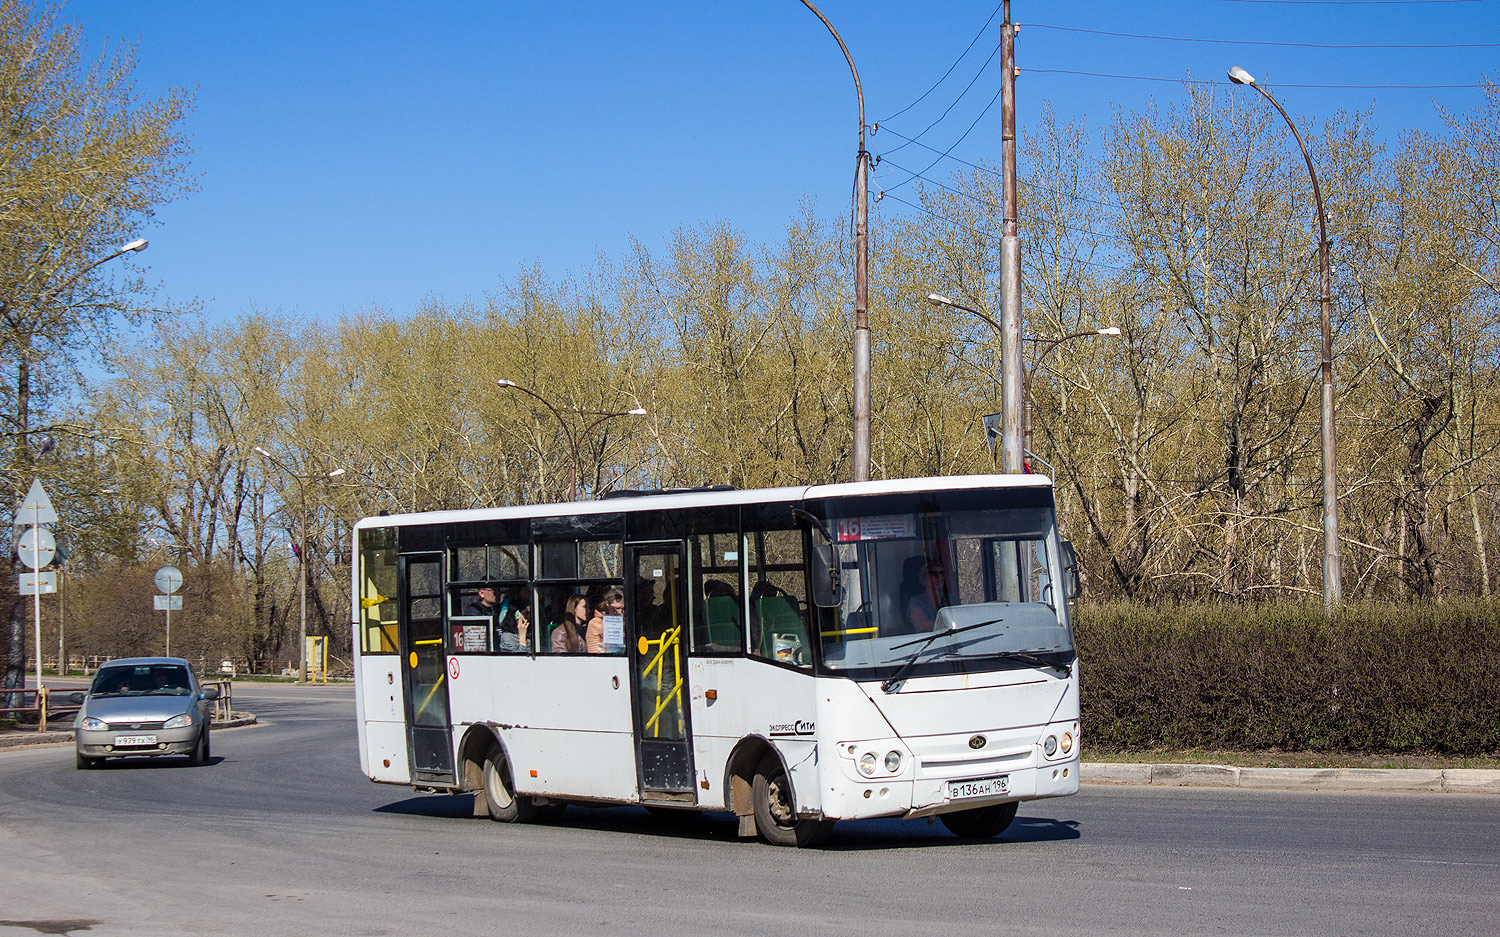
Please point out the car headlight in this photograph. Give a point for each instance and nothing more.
(94, 723)
(893, 762)
(867, 764)
(1067, 742)
(1049, 745)
(178, 721)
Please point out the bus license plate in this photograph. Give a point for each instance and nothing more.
(122, 740)
(979, 787)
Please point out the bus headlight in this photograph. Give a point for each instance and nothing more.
(867, 764)
(893, 762)
(1067, 742)
(1049, 745)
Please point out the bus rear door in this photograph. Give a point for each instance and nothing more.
(425, 666)
(657, 638)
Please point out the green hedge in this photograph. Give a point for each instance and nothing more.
(1372, 678)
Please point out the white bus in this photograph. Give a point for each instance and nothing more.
(795, 656)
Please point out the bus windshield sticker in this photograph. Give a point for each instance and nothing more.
(877, 527)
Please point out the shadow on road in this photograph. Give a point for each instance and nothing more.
(689, 824)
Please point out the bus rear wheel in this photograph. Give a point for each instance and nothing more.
(505, 806)
(981, 822)
(775, 814)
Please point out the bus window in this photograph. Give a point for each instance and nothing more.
(377, 597)
(778, 597)
(718, 612)
(599, 559)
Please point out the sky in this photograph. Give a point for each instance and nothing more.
(358, 155)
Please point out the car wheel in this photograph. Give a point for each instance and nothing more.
(200, 748)
(505, 806)
(981, 822)
(774, 817)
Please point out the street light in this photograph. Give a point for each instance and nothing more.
(1333, 584)
(572, 437)
(860, 454)
(938, 299)
(301, 551)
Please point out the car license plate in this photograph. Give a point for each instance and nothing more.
(979, 787)
(125, 740)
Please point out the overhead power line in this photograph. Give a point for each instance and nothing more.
(1279, 84)
(960, 58)
(1264, 42)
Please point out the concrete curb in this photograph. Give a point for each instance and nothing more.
(23, 739)
(1424, 780)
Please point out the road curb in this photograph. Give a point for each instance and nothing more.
(1419, 780)
(24, 739)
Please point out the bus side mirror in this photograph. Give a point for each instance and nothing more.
(825, 577)
(1070, 571)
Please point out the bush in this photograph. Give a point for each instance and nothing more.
(1375, 677)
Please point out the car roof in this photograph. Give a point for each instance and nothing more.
(141, 661)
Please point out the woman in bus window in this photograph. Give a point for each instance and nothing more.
(611, 606)
(571, 637)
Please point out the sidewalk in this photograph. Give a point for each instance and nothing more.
(59, 731)
(1422, 780)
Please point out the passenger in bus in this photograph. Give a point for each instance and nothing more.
(611, 605)
(508, 620)
(571, 636)
(922, 608)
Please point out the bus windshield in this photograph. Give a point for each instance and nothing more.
(948, 582)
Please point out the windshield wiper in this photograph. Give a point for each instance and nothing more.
(1033, 660)
(895, 678)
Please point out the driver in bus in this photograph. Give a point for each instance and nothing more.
(922, 608)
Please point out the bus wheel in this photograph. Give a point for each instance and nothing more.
(774, 816)
(981, 822)
(504, 805)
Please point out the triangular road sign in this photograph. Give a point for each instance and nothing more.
(37, 508)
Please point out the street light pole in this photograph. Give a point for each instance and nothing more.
(572, 437)
(1333, 577)
(301, 481)
(859, 455)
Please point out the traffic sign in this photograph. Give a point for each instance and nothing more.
(37, 508)
(37, 547)
(38, 583)
(169, 603)
(168, 579)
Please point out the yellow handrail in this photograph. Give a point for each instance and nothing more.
(667, 642)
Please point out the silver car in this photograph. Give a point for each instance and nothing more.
(143, 706)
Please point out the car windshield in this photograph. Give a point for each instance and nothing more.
(142, 680)
(957, 582)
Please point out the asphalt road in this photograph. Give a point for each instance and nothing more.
(281, 834)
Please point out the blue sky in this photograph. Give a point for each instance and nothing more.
(366, 154)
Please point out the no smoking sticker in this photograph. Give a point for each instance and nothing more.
(453, 667)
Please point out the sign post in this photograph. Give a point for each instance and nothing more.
(169, 580)
(36, 548)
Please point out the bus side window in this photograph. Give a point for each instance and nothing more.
(778, 597)
(718, 619)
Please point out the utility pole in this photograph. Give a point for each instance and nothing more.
(1012, 380)
(859, 455)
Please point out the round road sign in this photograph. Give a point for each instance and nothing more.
(37, 547)
(169, 579)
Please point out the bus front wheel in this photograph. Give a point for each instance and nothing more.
(981, 822)
(505, 806)
(775, 816)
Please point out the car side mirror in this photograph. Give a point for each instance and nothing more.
(209, 692)
(1071, 586)
(77, 698)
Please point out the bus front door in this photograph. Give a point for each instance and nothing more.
(657, 611)
(425, 667)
